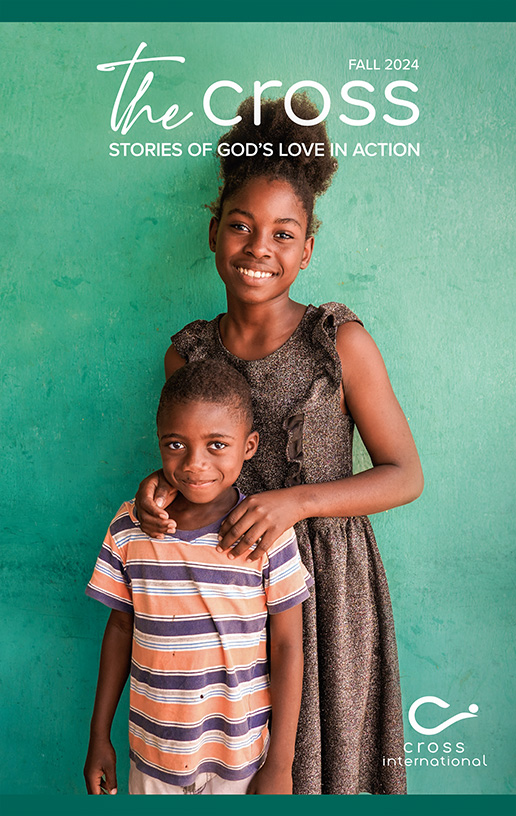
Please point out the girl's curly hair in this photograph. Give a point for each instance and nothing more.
(310, 175)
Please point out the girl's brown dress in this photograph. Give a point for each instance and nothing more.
(351, 716)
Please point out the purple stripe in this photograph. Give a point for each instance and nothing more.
(256, 719)
(209, 766)
(201, 680)
(191, 535)
(288, 552)
(123, 524)
(192, 572)
(107, 600)
(108, 557)
(296, 599)
(199, 626)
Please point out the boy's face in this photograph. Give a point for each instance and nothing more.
(203, 446)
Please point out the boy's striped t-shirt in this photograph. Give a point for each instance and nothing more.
(199, 697)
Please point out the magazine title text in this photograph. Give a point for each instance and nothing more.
(123, 119)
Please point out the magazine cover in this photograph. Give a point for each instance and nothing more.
(110, 163)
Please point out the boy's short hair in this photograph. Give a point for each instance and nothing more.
(208, 381)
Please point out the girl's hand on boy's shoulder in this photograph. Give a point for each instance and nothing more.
(154, 494)
(258, 519)
(270, 780)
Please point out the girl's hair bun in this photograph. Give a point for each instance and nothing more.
(309, 170)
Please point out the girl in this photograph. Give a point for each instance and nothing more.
(314, 372)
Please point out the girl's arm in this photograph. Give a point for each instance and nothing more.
(286, 667)
(395, 478)
(155, 493)
(115, 661)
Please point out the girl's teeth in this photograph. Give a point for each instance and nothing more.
(253, 273)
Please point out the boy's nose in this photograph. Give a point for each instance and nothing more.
(194, 461)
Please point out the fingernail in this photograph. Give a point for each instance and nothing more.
(231, 556)
(219, 538)
(160, 502)
(219, 549)
(114, 790)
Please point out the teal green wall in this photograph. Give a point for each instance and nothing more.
(103, 258)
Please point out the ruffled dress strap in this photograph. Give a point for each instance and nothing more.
(320, 329)
(327, 319)
(194, 341)
(340, 312)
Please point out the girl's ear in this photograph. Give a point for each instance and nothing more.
(307, 253)
(214, 226)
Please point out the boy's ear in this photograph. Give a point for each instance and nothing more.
(307, 253)
(212, 234)
(251, 445)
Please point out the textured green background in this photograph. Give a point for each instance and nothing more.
(103, 258)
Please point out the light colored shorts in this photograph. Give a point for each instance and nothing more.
(204, 783)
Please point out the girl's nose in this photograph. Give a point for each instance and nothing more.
(257, 245)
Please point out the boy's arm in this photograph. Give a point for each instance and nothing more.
(115, 661)
(286, 667)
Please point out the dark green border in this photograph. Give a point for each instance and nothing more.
(265, 10)
(234, 806)
(268, 10)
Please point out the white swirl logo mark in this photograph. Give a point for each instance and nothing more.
(472, 712)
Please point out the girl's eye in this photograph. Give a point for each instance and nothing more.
(175, 445)
(241, 227)
(284, 235)
(218, 445)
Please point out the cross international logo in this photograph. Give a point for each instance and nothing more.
(433, 754)
(472, 712)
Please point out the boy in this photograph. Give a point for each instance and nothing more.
(195, 623)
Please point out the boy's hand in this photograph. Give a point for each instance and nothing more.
(269, 780)
(154, 494)
(100, 768)
(260, 518)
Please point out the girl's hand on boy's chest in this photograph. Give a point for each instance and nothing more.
(261, 518)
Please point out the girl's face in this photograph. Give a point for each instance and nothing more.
(260, 241)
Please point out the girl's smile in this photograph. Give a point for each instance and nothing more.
(260, 241)
(254, 273)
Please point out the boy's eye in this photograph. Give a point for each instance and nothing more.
(218, 445)
(175, 445)
(241, 227)
(284, 235)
